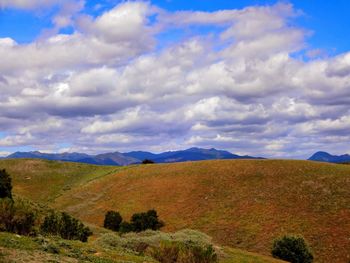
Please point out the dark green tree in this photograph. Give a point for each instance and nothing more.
(126, 227)
(293, 249)
(51, 224)
(144, 221)
(152, 220)
(17, 217)
(66, 226)
(112, 220)
(5, 185)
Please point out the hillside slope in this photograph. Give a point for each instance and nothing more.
(14, 248)
(241, 203)
(43, 181)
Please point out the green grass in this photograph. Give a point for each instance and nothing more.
(16, 248)
(43, 181)
(109, 248)
(240, 256)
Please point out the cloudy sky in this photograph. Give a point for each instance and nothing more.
(262, 78)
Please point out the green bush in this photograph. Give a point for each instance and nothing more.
(112, 220)
(65, 226)
(126, 227)
(17, 217)
(148, 220)
(293, 249)
(141, 222)
(5, 185)
(188, 252)
(194, 244)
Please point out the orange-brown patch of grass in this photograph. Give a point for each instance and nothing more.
(43, 181)
(241, 203)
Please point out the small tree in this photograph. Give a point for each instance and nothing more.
(112, 220)
(293, 249)
(66, 226)
(17, 217)
(5, 185)
(144, 221)
(126, 227)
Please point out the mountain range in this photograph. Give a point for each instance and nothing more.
(135, 157)
(327, 157)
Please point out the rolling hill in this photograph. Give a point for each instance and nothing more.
(240, 203)
(117, 158)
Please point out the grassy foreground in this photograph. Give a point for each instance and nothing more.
(240, 203)
(14, 248)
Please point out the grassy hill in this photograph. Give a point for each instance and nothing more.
(43, 181)
(240, 203)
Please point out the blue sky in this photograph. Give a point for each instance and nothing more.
(327, 20)
(267, 78)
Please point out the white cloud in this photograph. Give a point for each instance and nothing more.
(115, 84)
(126, 22)
(27, 4)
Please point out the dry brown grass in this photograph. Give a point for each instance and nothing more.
(241, 203)
(43, 181)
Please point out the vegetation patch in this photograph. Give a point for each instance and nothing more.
(65, 226)
(293, 249)
(181, 252)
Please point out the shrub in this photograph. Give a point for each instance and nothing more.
(293, 249)
(148, 220)
(153, 243)
(17, 217)
(166, 252)
(188, 252)
(65, 226)
(142, 221)
(126, 227)
(112, 220)
(5, 185)
(51, 224)
(6, 213)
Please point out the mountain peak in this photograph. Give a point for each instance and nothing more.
(118, 158)
(327, 157)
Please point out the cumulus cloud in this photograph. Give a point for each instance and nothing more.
(115, 84)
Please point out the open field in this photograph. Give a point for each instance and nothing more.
(240, 203)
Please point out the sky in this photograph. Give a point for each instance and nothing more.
(264, 78)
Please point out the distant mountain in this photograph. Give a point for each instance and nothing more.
(140, 155)
(49, 156)
(117, 158)
(192, 154)
(326, 157)
(196, 154)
